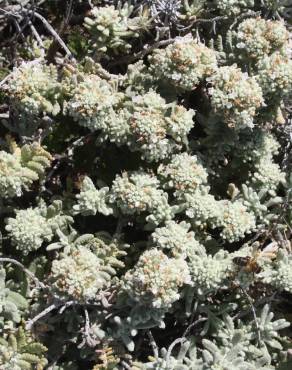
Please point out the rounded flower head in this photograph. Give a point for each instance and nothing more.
(13, 177)
(33, 226)
(267, 175)
(209, 273)
(157, 129)
(138, 192)
(176, 238)
(235, 220)
(35, 88)
(202, 209)
(279, 274)
(184, 174)
(133, 193)
(233, 7)
(185, 63)
(150, 101)
(91, 102)
(32, 78)
(235, 96)
(275, 76)
(257, 37)
(156, 279)
(148, 125)
(256, 145)
(149, 130)
(29, 230)
(79, 275)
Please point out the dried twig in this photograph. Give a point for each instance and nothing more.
(57, 305)
(171, 347)
(89, 340)
(261, 301)
(193, 324)
(126, 366)
(32, 321)
(36, 35)
(66, 305)
(153, 344)
(253, 313)
(2, 82)
(244, 15)
(38, 283)
(51, 30)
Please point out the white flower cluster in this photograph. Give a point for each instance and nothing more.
(209, 273)
(233, 218)
(110, 28)
(275, 76)
(156, 279)
(117, 128)
(256, 145)
(235, 96)
(233, 7)
(13, 177)
(176, 238)
(203, 209)
(33, 226)
(34, 88)
(267, 174)
(279, 274)
(79, 275)
(184, 173)
(144, 123)
(91, 102)
(138, 193)
(258, 37)
(168, 195)
(184, 64)
(258, 151)
(153, 129)
(29, 229)
(148, 125)
(91, 201)
(21, 168)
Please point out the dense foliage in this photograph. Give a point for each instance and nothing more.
(145, 185)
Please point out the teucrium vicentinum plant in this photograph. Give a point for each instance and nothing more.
(145, 185)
